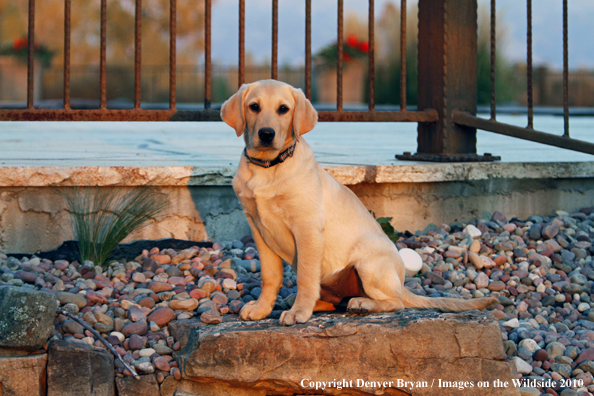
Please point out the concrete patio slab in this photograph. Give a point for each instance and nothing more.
(208, 144)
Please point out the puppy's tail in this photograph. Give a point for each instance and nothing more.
(411, 300)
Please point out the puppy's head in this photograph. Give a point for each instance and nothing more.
(270, 114)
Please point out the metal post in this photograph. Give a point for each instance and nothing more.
(447, 79)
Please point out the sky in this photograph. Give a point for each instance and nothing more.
(511, 14)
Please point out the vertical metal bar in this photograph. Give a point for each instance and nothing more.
(207, 31)
(447, 74)
(340, 56)
(403, 55)
(102, 56)
(67, 24)
(274, 66)
(565, 74)
(137, 52)
(371, 54)
(241, 42)
(529, 63)
(30, 58)
(493, 58)
(308, 49)
(172, 52)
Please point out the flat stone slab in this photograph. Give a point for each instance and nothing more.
(408, 352)
(403, 172)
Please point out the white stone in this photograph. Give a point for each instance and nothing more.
(583, 307)
(428, 250)
(458, 249)
(522, 366)
(146, 352)
(229, 284)
(511, 324)
(154, 327)
(472, 231)
(120, 336)
(145, 367)
(412, 261)
(34, 261)
(529, 344)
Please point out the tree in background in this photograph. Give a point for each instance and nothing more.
(387, 79)
(85, 29)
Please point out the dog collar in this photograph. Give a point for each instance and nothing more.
(282, 157)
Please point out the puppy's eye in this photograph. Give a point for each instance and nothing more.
(282, 109)
(255, 107)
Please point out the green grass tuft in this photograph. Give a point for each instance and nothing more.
(102, 217)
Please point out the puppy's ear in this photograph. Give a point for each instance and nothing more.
(233, 111)
(305, 116)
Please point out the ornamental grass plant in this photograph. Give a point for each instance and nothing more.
(102, 217)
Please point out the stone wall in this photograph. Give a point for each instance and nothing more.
(33, 217)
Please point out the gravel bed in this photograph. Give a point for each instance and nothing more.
(540, 269)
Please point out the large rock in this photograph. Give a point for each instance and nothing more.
(26, 317)
(77, 369)
(23, 375)
(146, 386)
(426, 347)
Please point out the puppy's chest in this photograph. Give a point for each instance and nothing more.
(269, 214)
(273, 223)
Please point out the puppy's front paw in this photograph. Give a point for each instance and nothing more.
(253, 311)
(291, 317)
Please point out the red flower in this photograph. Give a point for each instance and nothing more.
(20, 43)
(352, 41)
(364, 46)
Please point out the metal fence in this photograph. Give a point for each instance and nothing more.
(470, 120)
(447, 65)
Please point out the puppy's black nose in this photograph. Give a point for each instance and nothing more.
(266, 135)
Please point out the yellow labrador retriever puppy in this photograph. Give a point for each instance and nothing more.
(299, 213)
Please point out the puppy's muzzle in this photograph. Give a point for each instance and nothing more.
(266, 136)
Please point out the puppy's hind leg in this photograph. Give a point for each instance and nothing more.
(381, 282)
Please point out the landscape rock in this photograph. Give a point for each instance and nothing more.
(77, 369)
(26, 317)
(23, 375)
(146, 386)
(455, 346)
